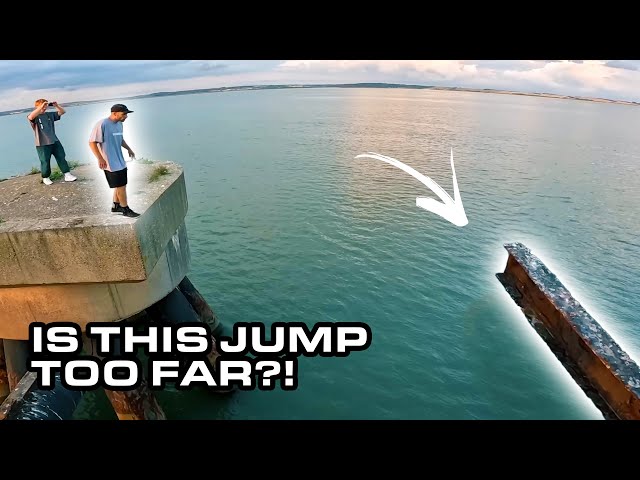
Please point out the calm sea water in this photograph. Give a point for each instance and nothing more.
(285, 225)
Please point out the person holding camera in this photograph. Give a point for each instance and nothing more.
(47, 143)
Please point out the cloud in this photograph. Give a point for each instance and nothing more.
(624, 64)
(20, 98)
(80, 80)
(75, 74)
(437, 68)
(569, 78)
(565, 77)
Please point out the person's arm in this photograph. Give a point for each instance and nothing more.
(102, 163)
(124, 144)
(37, 111)
(61, 111)
(95, 138)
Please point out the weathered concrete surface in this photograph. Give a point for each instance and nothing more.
(97, 302)
(65, 233)
(581, 344)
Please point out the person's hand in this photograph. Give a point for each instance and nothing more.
(53, 104)
(102, 163)
(131, 154)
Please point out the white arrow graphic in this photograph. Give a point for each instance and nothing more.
(451, 210)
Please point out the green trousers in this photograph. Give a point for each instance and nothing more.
(45, 152)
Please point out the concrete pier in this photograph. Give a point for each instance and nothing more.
(602, 369)
(65, 257)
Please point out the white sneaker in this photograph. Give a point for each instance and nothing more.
(69, 178)
(47, 181)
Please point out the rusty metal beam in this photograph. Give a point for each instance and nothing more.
(198, 303)
(4, 379)
(137, 404)
(177, 308)
(17, 394)
(591, 356)
(16, 353)
(27, 402)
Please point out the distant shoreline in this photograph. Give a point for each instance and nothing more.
(338, 85)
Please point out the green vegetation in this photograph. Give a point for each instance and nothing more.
(158, 172)
(56, 174)
(144, 161)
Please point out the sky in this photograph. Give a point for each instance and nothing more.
(24, 81)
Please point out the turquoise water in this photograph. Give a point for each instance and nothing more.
(285, 225)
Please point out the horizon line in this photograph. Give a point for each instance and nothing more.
(342, 85)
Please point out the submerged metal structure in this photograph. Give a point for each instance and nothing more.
(605, 372)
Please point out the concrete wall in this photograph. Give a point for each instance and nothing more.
(95, 248)
(96, 302)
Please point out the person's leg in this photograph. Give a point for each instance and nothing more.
(122, 195)
(116, 202)
(118, 181)
(116, 205)
(124, 204)
(61, 159)
(44, 154)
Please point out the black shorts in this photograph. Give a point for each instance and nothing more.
(117, 178)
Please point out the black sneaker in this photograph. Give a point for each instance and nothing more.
(127, 212)
(117, 208)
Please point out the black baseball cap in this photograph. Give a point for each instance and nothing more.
(118, 107)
